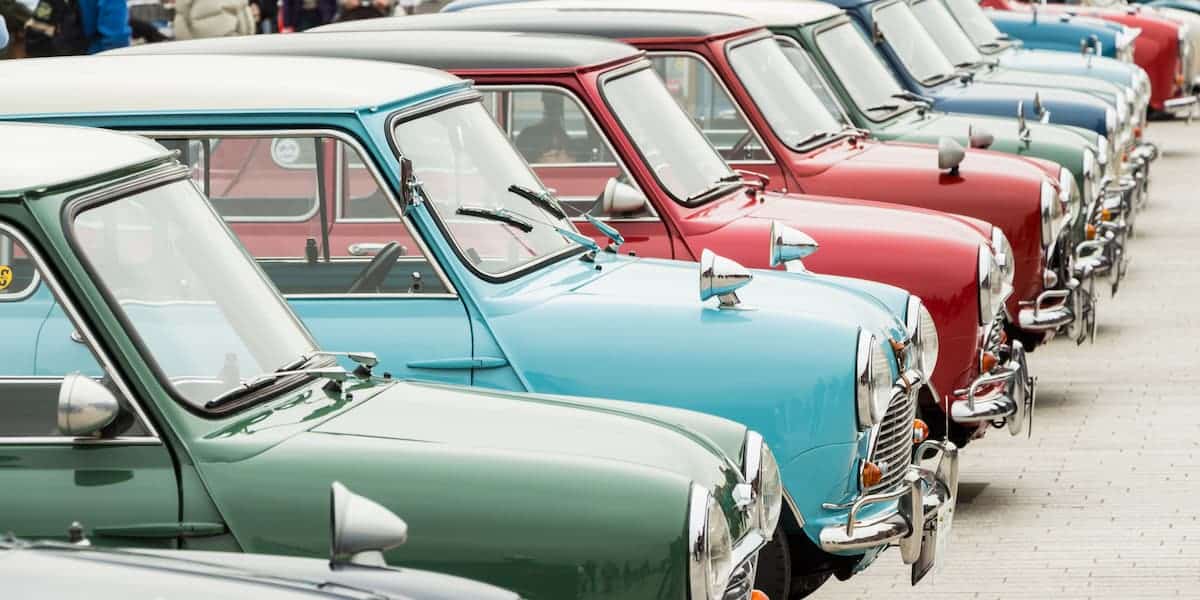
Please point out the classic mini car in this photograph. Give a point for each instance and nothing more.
(481, 281)
(1160, 48)
(157, 389)
(359, 531)
(792, 152)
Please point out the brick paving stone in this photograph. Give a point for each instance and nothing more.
(1102, 501)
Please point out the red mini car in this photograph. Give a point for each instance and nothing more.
(1157, 49)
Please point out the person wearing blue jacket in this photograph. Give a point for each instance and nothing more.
(59, 27)
(3, 33)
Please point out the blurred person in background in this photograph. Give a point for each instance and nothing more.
(300, 15)
(70, 27)
(212, 18)
(266, 15)
(353, 10)
(15, 13)
(3, 33)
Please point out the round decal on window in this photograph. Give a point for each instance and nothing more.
(5, 276)
(285, 151)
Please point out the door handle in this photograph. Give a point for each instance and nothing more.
(365, 248)
(75, 337)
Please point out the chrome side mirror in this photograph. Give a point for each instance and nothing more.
(1039, 109)
(621, 198)
(721, 277)
(1022, 127)
(950, 154)
(361, 529)
(85, 406)
(789, 246)
(979, 138)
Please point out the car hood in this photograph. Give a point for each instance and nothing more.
(1043, 61)
(1066, 107)
(1095, 87)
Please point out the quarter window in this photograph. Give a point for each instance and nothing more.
(17, 274)
(312, 212)
(702, 96)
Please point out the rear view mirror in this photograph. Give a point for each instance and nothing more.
(621, 198)
(360, 529)
(85, 406)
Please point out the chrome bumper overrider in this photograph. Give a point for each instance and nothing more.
(1006, 395)
(922, 517)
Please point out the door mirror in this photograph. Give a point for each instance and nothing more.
(360, 529)
(408, 184)
(85, 406)
(621, 199)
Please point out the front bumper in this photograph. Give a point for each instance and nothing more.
(920, 521)
(1004, 397)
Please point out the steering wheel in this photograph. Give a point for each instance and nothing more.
(372, 276)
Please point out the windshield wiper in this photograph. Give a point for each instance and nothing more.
(812, 137)
(541, 199)
(990, 45)
(496, 214)
(887, 107)
(720, 183)
(258, 382)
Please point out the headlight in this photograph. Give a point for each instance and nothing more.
(1110, 120)
(762, 471)
(1052, 211)
(923, 333)
(710, 547)
(1005, 259)
(1068, 193)
(991, 286)
(873, 388)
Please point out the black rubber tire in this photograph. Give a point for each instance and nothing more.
(804, 585)
(774, 576)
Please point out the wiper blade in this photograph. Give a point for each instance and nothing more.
(264, 380)
(990, 45)
(721, 182)
(541, 199)
(496, 214)
(888, 107)
(812, 137)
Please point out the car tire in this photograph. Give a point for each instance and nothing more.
(805, 585)
(774, 574)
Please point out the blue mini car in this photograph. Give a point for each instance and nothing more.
(1065, 33)
(386, 203)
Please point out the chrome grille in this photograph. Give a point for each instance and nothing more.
(892, 452)
(741, 583)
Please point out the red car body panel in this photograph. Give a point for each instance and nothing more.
(1156, 50)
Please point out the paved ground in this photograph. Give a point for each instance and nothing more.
(1101, 502)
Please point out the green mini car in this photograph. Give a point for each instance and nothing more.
(218, 424)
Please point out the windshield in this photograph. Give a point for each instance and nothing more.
(912, 44)
(794, 111)
(682, 160)
(202, 310)
(868, 81)
(975, 22)
(466, 167)
(945, 30)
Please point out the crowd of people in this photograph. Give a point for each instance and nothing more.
(36, 28)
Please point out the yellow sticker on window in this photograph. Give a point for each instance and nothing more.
(5, 276)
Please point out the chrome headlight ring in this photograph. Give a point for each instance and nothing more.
(990, 285)
(872, 381)
(710, 546)
(766, 483)
(922, 334)
(1051, 211)
(1069, 195)
(1110, 120)
(1006, 259)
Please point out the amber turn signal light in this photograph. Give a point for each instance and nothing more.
(988, 361)
(870, 475)
(920, 431)
(1091, 231)
(1137, 132)
(758, 595)
(1105, 214)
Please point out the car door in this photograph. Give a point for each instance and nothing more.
(119, 487)
(561, 142)
(324, 227)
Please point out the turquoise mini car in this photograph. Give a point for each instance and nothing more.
(387, 205)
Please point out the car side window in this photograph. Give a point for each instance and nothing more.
(704, 98)
(563, 145)
(38, 349)
(313, 212)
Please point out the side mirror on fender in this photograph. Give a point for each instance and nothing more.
(621, 198)
(950, 155)
(85, 406)
(361, 529)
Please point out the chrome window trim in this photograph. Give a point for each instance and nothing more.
(89, 338)
(452, 291)
(587, 114)
(25, 293)
(770, 160)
